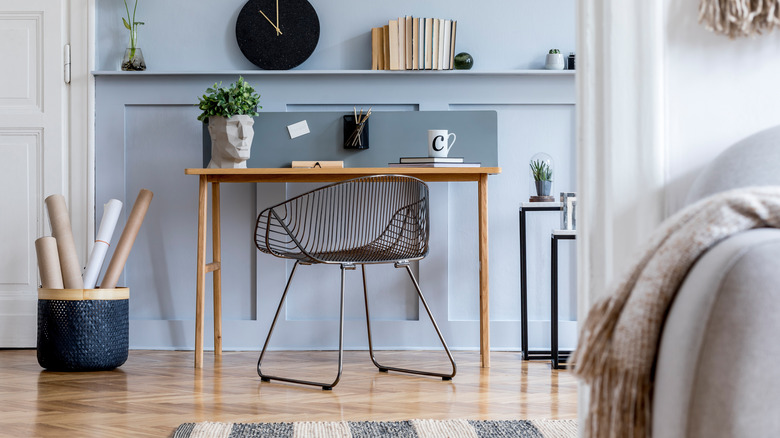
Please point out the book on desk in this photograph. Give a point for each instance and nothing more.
(434, 165)
(411, 160)
(433, 162)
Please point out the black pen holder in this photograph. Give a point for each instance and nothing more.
(355, 134)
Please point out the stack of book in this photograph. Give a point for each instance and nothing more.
(412, 43)
(432, 162)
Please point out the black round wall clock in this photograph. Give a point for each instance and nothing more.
(277, 34)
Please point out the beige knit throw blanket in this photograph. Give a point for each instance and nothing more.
(618, 342)
(739, 18)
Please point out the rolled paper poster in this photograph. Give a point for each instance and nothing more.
(48, 263)
(66, 248)
(102, 242)
(127, 239)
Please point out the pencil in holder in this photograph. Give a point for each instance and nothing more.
(355, 134)
(82, 329)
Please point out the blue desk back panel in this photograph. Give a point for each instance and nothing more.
(392, 134)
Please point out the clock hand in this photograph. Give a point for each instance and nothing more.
(278, 31)
(277, 18)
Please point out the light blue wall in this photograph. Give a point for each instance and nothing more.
(192, 35)
(146, 134)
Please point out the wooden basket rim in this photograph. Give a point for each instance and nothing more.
(120, 293)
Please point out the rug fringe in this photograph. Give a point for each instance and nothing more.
(211, 430)
(556, 428)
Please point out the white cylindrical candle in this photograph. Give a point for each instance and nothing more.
(111, 212)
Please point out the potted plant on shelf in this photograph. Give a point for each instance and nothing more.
(541, 170)
(228, 112)
(134, 58)
(554, 60)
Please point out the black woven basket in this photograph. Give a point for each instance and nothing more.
(77, 333)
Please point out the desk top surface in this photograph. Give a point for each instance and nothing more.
(338, 173)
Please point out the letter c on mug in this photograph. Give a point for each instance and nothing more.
(438, 143)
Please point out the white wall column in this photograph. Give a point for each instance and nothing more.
(620, 139)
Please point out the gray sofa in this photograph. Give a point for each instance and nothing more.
(716, 374)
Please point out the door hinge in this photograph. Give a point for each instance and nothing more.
(66, 67)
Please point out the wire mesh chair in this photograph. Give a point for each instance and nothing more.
(367, 220)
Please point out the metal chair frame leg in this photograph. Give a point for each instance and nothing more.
(384, 368)
(324, 385)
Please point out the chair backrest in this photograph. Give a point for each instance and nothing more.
(753, 161)
(385, 214)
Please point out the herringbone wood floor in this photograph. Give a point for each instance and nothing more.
(155, 391)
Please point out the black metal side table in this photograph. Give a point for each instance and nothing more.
(558, 358)
(525, 208)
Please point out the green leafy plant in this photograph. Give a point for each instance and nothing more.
(239, 98)
(132, 26)
(554, 52)
(541, 170)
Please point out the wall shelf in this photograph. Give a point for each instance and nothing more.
(340, 73)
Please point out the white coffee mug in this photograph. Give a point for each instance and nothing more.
(439, 142)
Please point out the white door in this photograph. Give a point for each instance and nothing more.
(33, 145)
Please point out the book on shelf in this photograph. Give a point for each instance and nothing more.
(386, 45)
(376, 48)
(434, 164)
(441, 44)
(452, 44)
(421, 45)
(428, 43)
(401, 43)
(445, 61)
(435, 45)
(393, 43)
(408, 42)
(410, 160)
(415, 43)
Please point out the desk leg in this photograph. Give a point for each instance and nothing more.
(200, 288)
(484, 291)
(216, 244)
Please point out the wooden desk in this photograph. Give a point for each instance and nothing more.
(285, 175)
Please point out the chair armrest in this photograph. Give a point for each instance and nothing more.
(718, 340)
(275, 234)
(406, 232)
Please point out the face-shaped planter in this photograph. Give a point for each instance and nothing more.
(231, 140)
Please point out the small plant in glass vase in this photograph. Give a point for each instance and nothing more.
(541, 170)
(134, 58)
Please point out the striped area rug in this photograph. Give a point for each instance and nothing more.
(372, 429)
